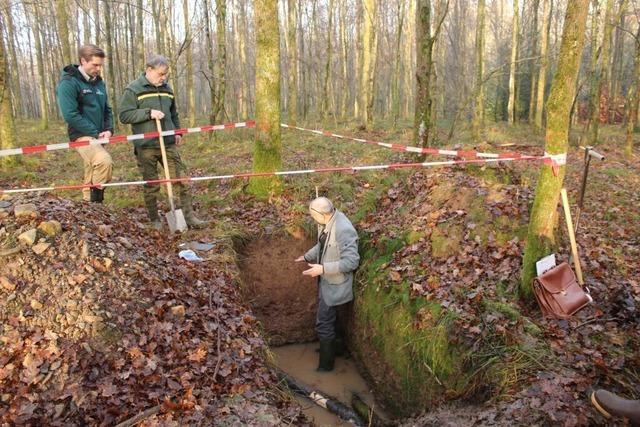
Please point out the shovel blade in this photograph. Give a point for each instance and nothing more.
(176, 221)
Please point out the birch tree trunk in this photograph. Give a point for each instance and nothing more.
(478, 112)
(267, 156)
(540, 238)
(544, 62)
(511, 107)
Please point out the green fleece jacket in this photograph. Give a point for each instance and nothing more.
(139, 98)
(83, 104)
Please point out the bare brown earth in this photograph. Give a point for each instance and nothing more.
(283, 300)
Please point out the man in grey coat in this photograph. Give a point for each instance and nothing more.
(333, 260)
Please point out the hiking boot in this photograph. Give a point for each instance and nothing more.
(608, 404)
(193, 221)
(327, 356)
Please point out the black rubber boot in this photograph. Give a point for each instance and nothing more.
(97, 195)
(327, 356)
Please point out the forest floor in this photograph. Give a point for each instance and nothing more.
(102, 321)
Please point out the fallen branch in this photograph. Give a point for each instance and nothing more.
(140, 417)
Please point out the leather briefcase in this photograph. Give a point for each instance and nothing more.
(558, 292)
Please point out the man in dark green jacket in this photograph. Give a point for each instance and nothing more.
(146, 99)
(83, 102)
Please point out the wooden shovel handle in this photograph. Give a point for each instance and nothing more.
(165, 164)
(572, 237)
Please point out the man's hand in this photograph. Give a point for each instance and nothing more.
(314, 271)
(300, 258)
(105, 134)
(178, 139)
(156, 114)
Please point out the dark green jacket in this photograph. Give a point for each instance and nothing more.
(139, 98)
(83, 104)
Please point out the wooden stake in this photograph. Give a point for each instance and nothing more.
(572, 237)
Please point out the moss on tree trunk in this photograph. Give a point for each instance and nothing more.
(268, 145)
(540, 239)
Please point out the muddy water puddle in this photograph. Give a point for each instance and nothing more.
(300, 362)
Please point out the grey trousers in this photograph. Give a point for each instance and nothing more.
(325, 319)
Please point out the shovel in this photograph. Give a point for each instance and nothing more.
(175, 218)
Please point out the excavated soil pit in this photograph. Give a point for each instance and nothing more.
(285, 301)
(281, 297)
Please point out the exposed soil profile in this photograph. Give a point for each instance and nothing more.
(281, 297)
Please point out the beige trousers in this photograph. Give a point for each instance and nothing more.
(98, 166)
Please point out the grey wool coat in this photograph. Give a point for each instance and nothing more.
(340, 259)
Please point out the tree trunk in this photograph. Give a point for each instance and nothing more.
(544, 62)
(7, 128)
(42, 84)
(600, 77)
(210, 61)
(111, 64)
(96, 21)
(511, 108)
(292, 92)
(220, 77)
(188, 42)
(395, 92)
(267, 156)
(540, 238)
(327, 67)
(140, 38)
(368, 56)
(478, 112)
(533, 62)
(16, 98)
(62, 18)
(632, 99)
(424, 49)
(617, 65)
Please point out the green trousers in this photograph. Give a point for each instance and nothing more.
(148, 161)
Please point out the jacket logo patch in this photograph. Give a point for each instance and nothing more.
(86, 91)
(99, 92)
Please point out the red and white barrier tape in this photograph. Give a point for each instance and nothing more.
(467, 154)
(282, 173)
(553, 160)
(122, 138)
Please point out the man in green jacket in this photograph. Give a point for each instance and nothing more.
(146, 99)
(83, 102)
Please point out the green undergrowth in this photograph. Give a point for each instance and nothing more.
(414, 340)
(415, 346)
